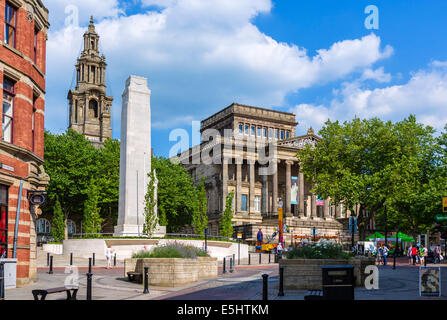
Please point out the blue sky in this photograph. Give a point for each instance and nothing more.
(314, 58)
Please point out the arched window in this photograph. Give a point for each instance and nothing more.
(71, 227)
(93, 108)
(43, 226)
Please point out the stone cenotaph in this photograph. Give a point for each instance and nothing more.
(135, 158)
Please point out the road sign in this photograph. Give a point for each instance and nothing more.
(441, 217)
(280, 204)
(239, 235)
(444, 204)
(429, 281)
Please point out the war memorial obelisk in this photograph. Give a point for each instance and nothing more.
(135, 157)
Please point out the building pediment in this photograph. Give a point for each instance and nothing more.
(300, 142)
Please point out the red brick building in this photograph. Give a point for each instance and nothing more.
(23, 36)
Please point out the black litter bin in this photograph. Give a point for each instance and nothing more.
(338, 282)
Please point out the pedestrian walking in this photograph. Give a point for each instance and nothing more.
(437, 255)
(414, 253)
(379, 255)
(385, 254)
(109, 252)
(410, 254)
(422, 254)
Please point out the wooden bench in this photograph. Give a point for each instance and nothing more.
(71, 292)
(314, 295)
(134, 276)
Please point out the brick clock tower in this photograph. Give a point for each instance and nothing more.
(90, 107)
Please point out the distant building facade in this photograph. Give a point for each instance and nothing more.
(23, 37)
(90, 108)
(257, 195)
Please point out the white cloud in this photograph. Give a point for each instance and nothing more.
(424, 95)
(60, 10)
(378, 75)
(201, 55)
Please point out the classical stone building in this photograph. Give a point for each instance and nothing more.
(90, 106)
(23, 33)
(253, 152)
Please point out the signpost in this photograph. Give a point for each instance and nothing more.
(280, 222)
(430, 281)
(239, 238)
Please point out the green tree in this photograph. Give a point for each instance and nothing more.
(367, 163)
(150, 202)
(91, 222)
(415, 182)
(176, 194)
(58, 222)
(71, 162)
(226, 226)
(200, 212)
(108, 181)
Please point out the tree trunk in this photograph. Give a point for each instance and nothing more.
(65, 229)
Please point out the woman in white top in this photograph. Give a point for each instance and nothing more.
(109, 257)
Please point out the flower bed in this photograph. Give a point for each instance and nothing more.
(302, 265)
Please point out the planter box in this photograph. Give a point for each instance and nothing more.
(207, 267)
(307, 274)
(173, 272)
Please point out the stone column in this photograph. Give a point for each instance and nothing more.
(251, 164)
(238, 186)
(313, 205)
(224, 181)
(326, 208)
(301, 193)
(288, 202)
(275, 187)
(264, 202)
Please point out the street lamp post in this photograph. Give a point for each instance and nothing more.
(386, 227)
(395, 249)
(206, 242)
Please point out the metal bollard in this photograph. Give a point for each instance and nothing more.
(269, 256)
(224, 266)
(89, 265)
(249, 262)
(260, 258)
(114, 260)
(93, 259)
(146, 280)
(48, 259)
(89, 285)
(71, 259)
(234, 259)
(281, 282)
(265, 287)
(51, 265)
(276, 258)
(2, 282)
(231, 265)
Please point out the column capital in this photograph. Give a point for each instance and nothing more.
(290, 162)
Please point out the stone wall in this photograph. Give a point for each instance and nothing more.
(307, 273)
(124, 248)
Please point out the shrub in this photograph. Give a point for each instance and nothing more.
(174, 250)
(321, 250)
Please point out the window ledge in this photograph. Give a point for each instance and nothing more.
(17, 52)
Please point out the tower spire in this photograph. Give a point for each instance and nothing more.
(90, 106)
